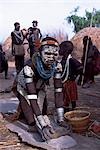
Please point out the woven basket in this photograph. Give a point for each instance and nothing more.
(78, 119)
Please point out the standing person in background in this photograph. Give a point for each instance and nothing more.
(3, 62)
(37, 35)
(34, 38)
(36, 31)
(91, 60)
(30, 38)
(71, 68)
(17, 47)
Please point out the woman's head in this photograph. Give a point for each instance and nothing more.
(35, 23)
(66, 47)
(17, 25)
(30, 30)
(49, 50)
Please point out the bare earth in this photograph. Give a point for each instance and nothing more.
(88, 98)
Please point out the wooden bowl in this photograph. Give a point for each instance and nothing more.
(78, 119)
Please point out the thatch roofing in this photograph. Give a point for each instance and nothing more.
(77, 40)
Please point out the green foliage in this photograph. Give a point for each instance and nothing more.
(82, 22)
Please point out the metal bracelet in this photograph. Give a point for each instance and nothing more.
(29, 80)
(58, 90)
(41, 121)
(60, 113)
(33, 96)
(58, 75)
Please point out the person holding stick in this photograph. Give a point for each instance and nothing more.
(92, 55)
(87, 43)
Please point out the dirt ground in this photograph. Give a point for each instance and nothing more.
(89, 99)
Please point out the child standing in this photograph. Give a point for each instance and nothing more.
(71, 68)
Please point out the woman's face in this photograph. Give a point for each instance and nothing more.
(30, 31)
(49, 54)
(17, 27)
(35, 24)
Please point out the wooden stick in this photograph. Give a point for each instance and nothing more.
(8, 143)
(8, 146)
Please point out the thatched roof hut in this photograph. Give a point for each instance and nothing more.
(77, 40)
